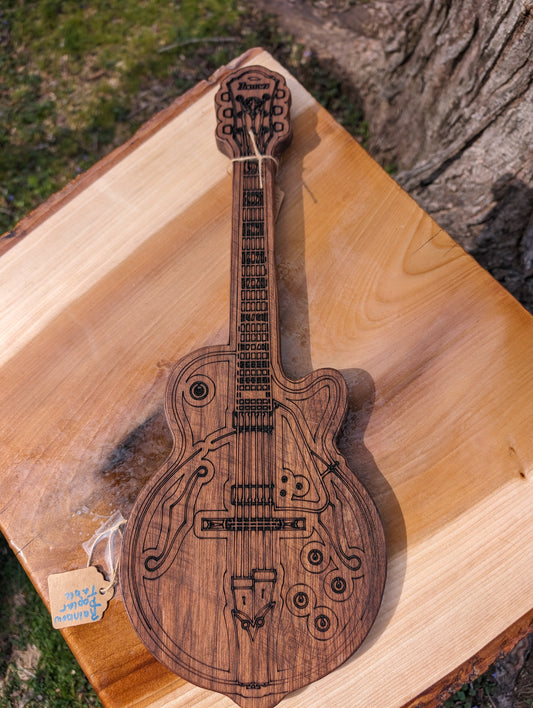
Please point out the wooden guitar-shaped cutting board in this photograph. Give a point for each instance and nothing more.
(254, 561)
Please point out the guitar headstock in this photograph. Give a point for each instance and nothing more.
(253, 99)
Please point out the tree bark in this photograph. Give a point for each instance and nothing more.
(447, 90)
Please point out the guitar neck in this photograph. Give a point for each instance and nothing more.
(253, 128)
(254, 302)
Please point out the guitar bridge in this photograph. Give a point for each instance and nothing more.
(252, 524)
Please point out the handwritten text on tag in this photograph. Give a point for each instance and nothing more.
(78, 596)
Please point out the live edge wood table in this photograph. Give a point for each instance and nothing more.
(127, 270)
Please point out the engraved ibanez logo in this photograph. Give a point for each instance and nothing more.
(243, 86)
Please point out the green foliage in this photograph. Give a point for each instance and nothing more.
(475, 694)
(36, 666)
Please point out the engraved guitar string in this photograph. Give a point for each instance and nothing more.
(253, 454)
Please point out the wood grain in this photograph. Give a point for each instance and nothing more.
(101, 296)
(253, 562)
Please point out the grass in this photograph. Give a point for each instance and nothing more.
(80, 78)
(36, 666)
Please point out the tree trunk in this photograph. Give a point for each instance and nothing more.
(447, 90)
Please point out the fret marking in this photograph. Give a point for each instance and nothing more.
(253, 380)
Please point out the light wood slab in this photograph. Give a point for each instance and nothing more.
(110, 282)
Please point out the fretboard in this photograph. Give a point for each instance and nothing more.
(254, 292)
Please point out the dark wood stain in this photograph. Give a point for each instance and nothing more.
(254, 559)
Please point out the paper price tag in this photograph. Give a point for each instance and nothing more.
(78, 596)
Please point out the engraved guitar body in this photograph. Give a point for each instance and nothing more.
(254, 560)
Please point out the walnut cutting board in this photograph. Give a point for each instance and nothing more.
(113, 280)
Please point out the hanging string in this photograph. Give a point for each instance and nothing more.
(109, 531)
(256, 156)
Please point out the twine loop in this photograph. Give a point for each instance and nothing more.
(256, 156)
